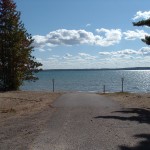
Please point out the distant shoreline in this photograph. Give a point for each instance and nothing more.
(105, 69)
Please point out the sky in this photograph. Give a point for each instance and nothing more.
(77, 34)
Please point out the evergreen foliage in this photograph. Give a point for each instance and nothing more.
(16, 61)
(144, 23)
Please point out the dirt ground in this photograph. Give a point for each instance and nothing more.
(22, 116)
(131, 100)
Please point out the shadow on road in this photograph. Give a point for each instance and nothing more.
(144, 144)
(139, 115)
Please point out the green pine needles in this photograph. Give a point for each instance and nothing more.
(16, 46)
(144, 23)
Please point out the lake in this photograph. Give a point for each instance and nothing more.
(91, 80)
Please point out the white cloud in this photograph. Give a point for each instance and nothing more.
(142, 15)
(112, 36)
(119, 53)
(86, 56)
(55, 56)
(114, 59)
(88, 25)
(53, 59)
(105, 53)
(68, 55)
(103, 38)
(39, 40)
(79, 57)
(83, 54)
(40, 49)
(132, 35)
(144, 51)
(81, 60)
(77, 37)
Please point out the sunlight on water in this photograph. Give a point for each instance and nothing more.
(91, 80)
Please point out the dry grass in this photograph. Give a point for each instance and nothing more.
(24, 102)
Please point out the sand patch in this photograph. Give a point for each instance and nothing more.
(24, 102)
(131, 100)
(23, 116)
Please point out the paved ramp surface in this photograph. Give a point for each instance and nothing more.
(85, 121)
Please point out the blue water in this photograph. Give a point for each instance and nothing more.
(91, 80)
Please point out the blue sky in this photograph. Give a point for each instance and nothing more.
(87, 33)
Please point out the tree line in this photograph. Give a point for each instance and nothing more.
(16, 46)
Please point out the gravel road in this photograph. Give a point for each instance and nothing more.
(87, 121)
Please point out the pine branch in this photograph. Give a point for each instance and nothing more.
(146, 40)
(142, 23)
